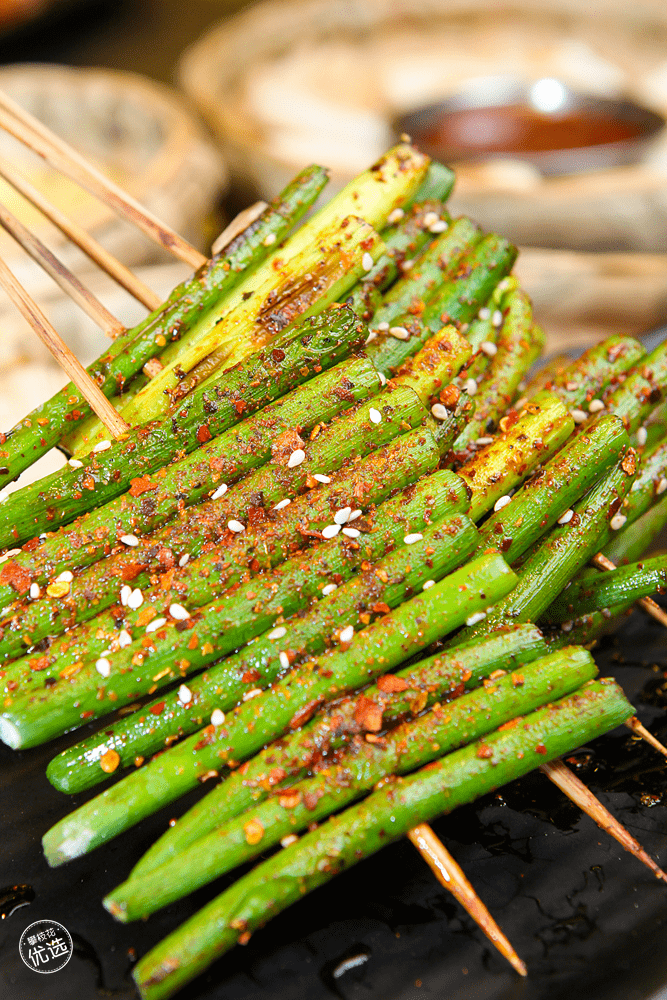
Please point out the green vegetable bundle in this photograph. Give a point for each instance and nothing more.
(343, 530)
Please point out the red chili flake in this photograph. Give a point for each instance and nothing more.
(540, 748)
(304, 714)
(484, 751)
(16, 576)
(87, 715)
(250, 676)
(390, 684)
(141, 484)
(130, 570)
(277, 354)
(381, 608)
(31, 545)
(629, 463)
(277, 775)
(239, 406)
(204, 434)
(290, 799)
(88, 482)
(450, 395)
(367, 714)
(508, 725)
(157, 709)
(12, 685)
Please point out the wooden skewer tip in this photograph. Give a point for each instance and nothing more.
(635, 726)
(452, 877)
(577, 792)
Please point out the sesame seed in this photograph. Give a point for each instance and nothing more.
(399, 332)
(351, 532)
(374, 415)
(284, 660)
(439, 411)
(579, 416)
(471, 386)
(217, 717)
(382, 327)
(278, 633)
(320, 478)
(331, 531)
(184, 560)
(296, 458)
(504, 285)
(642, 435)
(415, 536)
(184, 694)
(347, 634)
(497, 318)
(102, 446)
(383, 379)
(367, 262)
(430, 218)
(9, 555)
(124, 638)
(595, 406)
(125, 595)
(103, 667)
(292, 838)
(407, 264)
(502, 502)
(354, 515)
(428, 585)
(235, 526)
(130, 540)
(65, 577)
(135, 600)
(342, 516)
(662, 486)
(617, 521)
(178, 612)
(567, 626)
(371, 336)
(566, 517)
(329, 589)
(484, 314)
(74, 463)
(395, 215)
(478, 616)
(220, 492)
(520, 403)
(438, 227)
(156, 624)
(253, 693)
(484, 441)
(35, 591)
(269, 240)
(488, 348)
(283, 503)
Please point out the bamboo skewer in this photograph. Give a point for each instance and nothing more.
(63, 277)
(94, 250)
(576, 790)
(635, 726)
(647, 603)
(451, 876)
(32, 133)
(61, 352)
(238, 225)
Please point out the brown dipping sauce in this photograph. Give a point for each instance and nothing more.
(517, 128)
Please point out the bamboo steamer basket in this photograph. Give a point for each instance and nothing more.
(614, 220)
(141, 133)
